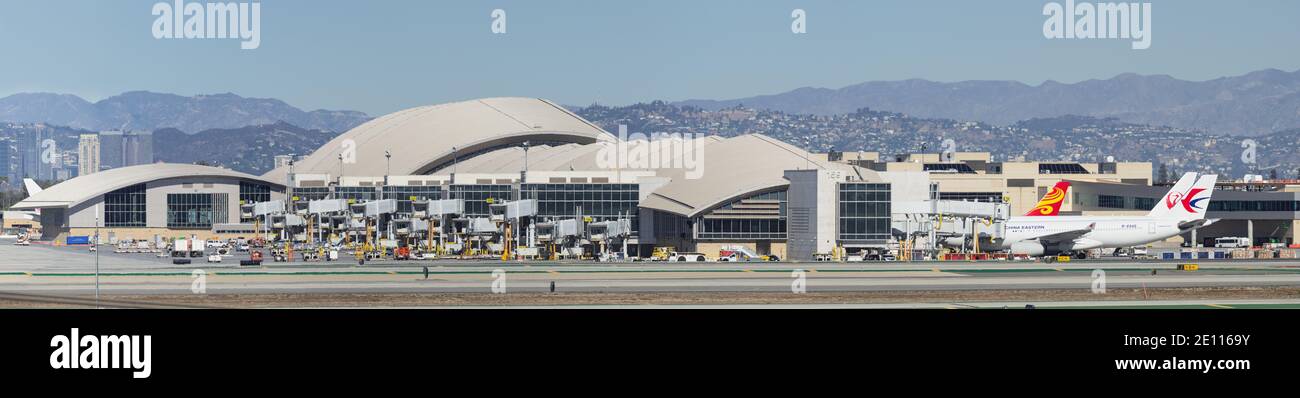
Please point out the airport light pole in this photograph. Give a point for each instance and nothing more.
(95, 245)
(340, 182)
(388, 165)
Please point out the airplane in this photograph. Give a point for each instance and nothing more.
(1182, 209)
(32, 189)
(1050, 204)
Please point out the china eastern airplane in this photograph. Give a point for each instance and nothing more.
(1182, 209)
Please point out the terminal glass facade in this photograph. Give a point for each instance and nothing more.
(477, 196)
(986, 197)
(250, 192)
(1254, 205)
(758, 217)
(601, 202)
(864, 213)
(1110, 201)
(311, 193)
(1141, 203)
(404, 194)
(125, 207)
(356, 194)
(196, 210)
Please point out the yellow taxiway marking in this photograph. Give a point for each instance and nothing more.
(935, 270)
(1059, 269)
(812, 270)
(1218, 306)
(28, 273)
(552, 271)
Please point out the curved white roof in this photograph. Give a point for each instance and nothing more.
(422, 139)
(82, 188)
(733, 168)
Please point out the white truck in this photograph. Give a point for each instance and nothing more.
(188, 248)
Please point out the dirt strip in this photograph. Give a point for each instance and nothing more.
(513, 299)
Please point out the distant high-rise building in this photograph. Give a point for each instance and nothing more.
(138, 146)
(111, 150)
(7, 160)
(88, 154)
(119, 149)
(29, 153)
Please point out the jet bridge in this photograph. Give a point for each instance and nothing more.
(926, 225)
(606, 234)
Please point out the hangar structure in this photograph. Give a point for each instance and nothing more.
(525, 176)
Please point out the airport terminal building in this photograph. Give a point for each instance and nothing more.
(524, 174)
(141, 202)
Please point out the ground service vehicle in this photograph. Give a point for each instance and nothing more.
(687, 257)
(661, 253)
(742, 253)
(1232, 243)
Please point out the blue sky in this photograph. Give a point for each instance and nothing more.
(386, 55)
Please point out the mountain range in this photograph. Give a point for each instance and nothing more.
(143, 110)
(1255, 103)
(250, 149)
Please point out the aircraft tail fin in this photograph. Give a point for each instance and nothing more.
(1050, 204)
(32, 187)
(1188, 199)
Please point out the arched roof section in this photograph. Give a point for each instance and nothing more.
(83, 188)
(425, 139)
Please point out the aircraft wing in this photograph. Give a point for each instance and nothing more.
(1066, 236)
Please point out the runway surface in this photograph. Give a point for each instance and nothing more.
(42, 269)
(1191, 304)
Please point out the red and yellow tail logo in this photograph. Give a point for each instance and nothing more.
(1050, 205)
